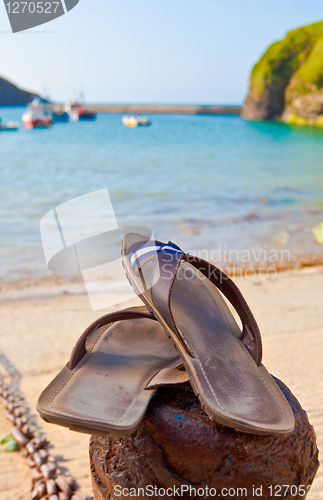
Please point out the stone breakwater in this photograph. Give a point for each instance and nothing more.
(164, 109)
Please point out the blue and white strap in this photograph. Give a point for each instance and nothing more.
(140, 253)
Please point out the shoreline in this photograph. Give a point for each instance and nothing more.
(54, 285)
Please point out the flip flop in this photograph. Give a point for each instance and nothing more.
(114, 370)
(223, 362)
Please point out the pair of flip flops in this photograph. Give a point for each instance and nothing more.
(123, 357)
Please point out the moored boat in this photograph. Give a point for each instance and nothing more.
(36, 116)
(9, 127)
(85, 114)
(78, 112)
(59, 115)
(136, 121)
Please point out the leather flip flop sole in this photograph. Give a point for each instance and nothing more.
(233, 389)
(112, 375)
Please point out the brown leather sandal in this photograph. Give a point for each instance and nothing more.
(223, 362)
(112, 374)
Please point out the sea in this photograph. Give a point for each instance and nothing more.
(214, 183)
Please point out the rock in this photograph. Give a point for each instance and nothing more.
(287, 82)
(178, 445)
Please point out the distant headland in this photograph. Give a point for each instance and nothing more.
(287, 82)
(10, 94)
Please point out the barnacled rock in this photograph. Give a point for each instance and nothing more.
(177, 444)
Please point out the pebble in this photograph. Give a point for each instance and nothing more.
(38, 459)
(19, 411)
(51, 487)
(8, 415)
(36, 475)
(19, 437)
(9, 406)
(71, 482)
(34, 495)
(63, 496)
(27, 431)
(30, 448)
(78, 495)
(18, 422)
(63, 485)
(39, 490)
(24, 453)
(52, 466)
(46, 471)
(43, 453)
(39, 442)
(30, 462)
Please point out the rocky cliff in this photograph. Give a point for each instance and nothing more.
(287, 82)
(11, 94)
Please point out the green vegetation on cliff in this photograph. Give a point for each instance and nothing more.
(299, 53)
(288, 78)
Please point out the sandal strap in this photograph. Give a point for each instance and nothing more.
(250, 336)
(80, 348)
(164, 274)
(141, 253)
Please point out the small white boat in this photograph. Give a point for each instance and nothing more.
(9, 127)
(77, 112)
(36, 116)
(135, 121)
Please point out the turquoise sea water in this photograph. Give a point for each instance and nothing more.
(201, 181)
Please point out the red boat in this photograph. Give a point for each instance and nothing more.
(77, 112)
(36, 116)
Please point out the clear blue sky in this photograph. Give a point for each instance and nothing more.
(165, 51)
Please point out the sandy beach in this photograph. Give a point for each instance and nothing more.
(38, 335)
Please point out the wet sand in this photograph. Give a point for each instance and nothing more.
(38, 334)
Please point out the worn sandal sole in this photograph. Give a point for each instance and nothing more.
(114, 370)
